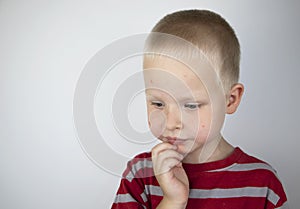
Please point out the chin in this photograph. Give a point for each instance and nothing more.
(185, 148)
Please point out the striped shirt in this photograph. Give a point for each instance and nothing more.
(239, 181)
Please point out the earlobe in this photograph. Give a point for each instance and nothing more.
(234, 99)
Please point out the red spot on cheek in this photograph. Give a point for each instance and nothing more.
(203, 126)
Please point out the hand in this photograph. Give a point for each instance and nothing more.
(170, 175)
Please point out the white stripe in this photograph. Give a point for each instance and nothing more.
(153, 190)
(123, 198)
(246, 167)
(228, 193)
(144, 197)
(272, 196)
(223, 193)
(145, 163)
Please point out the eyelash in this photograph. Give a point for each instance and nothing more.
(191, 106)
(157, 104)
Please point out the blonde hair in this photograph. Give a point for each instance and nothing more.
(210, 33)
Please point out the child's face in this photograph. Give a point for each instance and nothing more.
(179, 108)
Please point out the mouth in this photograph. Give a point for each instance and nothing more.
(173, 140)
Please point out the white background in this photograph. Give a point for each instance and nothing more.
(44, 45)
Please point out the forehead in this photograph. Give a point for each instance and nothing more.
(167, 69)
(170, 75)
(165, 63)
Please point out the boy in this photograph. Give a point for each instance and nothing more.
(188, 94)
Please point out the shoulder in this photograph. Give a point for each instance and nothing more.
(131, 192)
(248, 162)
(264, 176)
(139, 166)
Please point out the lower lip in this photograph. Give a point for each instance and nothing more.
(170, 141)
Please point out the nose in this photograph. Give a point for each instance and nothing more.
(173, 118)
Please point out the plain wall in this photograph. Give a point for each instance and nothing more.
(44, 46)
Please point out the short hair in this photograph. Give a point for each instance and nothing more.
(212, 34)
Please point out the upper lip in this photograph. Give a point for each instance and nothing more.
(172, 139)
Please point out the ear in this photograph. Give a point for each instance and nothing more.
(234, 98)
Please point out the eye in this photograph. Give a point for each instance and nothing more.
(192, 106)
(157, 104)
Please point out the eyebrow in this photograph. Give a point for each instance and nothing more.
(151, 95)
(197, 97)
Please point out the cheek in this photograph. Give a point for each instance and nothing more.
(198, 127)
(208, 130)
(203, 132)
(156, 121)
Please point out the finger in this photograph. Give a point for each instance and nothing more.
(161, 147)
(166, 166)
(179, 165)
(165, 160)
(166, 154)
(161, 156)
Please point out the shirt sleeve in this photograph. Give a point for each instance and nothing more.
(131, 193)
(277, 198)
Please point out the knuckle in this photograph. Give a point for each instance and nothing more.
(154, 150)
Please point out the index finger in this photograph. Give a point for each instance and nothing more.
(161, 147)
